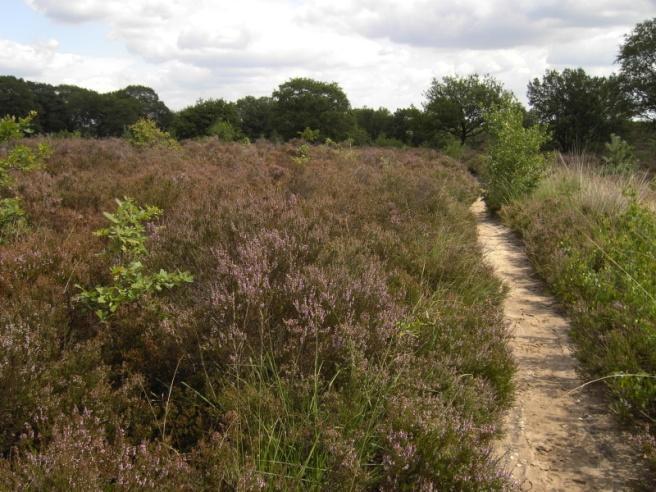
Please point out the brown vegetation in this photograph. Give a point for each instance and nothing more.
(341, 331)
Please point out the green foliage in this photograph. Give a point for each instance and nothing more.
(310, 135)
(13, 128)
(224, 131)
(19, 157)
(515, 161)
(12, 218)
(637, 59)
(197, 120)
(67, 108)
(305, 103)
(373, 122)
(126, 232)
(255, 116)
(129, 284)
(127, 239)
(385, 141)
(452, 147)
(145, 133)
(301, 154)
(458, 104)
(579, 110)
(619, 158)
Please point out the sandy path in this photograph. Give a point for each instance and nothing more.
(554, 440)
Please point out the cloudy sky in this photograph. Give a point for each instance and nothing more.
(382, 52)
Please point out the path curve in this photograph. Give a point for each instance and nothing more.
(554, 439)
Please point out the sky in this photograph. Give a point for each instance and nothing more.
(381, 52)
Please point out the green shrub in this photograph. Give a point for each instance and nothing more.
(18, 157)
(12, 218)
(515, 162)
(452, 147)
(385, 141)
(310, 135)
(127, 240)
(619, 157)
(145, 133)
(301, 154)
(224, 131)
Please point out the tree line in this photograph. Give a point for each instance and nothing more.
(579, 110)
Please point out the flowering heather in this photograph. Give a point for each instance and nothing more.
(341, 331)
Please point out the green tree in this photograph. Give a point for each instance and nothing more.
(637, 59)
(306, 103)
(410, 126)
(375, 122)
(148, 105)
(457, 104)
(581, 111)
(255, 116)
(515, 161)
(196, 120)
(16, 98)
(52, 112)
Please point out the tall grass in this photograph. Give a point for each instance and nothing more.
(341, 332)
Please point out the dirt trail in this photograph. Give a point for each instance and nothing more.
(554, 440)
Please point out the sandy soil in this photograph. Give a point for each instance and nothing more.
(554, 439)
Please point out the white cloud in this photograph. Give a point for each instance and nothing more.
(382, 52)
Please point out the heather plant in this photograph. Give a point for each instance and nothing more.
(127, 239)
(515, 161)
(145, 133)
(341, 331)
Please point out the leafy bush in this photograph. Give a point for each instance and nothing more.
(310, 135)
(452, 147)
(515, 162)
(224, 131)
(301, 154)
(129, 282)
(18, 157)
(145, 133)
(12, 218)
(619, 158)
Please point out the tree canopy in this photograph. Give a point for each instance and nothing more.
(457, 104)
(306, 103)
(580, 110)
(637, 59)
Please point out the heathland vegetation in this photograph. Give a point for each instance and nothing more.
(256, 295)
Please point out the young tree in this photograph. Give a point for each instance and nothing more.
(306, 103)
(638, 67)
(457, 104)
(196, 120)
(515, 161)
(580, 110)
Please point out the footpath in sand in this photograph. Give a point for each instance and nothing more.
(554, 439)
